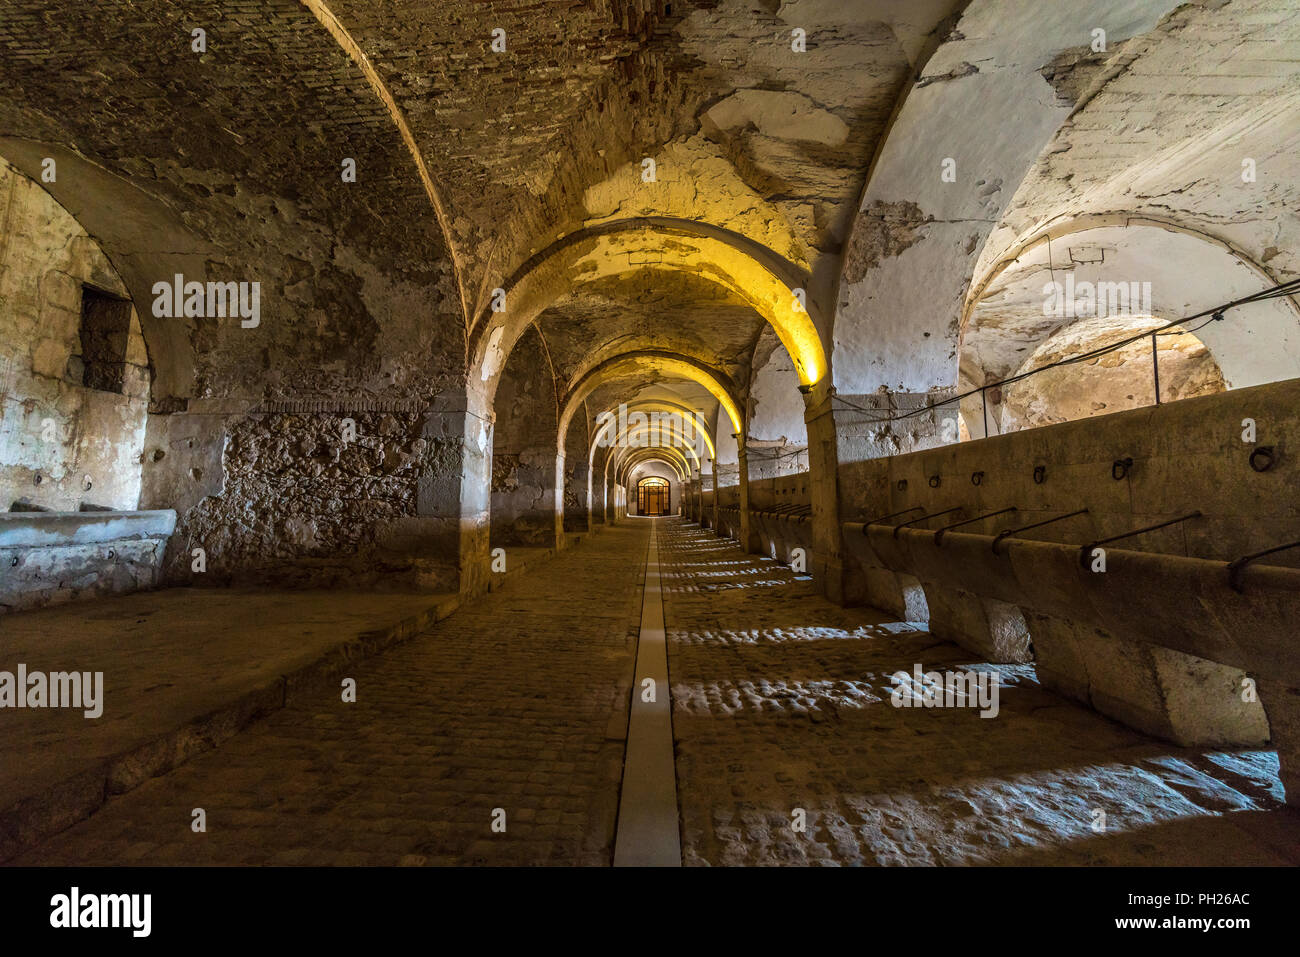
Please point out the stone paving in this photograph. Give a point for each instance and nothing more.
(518, 702)
(183, 668)
(781, 701)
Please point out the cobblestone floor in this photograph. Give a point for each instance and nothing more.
(781, 701)
(518, 701)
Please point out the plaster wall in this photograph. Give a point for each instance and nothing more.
(62, 443)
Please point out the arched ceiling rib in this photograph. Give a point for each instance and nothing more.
(244, 143)
(992, 96)
(664, 439)
(613, 431)
(671, 266)
(549, 134)
(1130, 266)
(669, 456)
(469, 159)
(642, 365)
(350, 46)
(1211, 87)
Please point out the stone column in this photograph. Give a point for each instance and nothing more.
(452, 502)
(843, 429)
(717, 528)
(749, 539)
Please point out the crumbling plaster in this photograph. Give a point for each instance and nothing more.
(1198, 96)
(63, 444)
(897, 327)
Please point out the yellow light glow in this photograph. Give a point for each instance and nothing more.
(674, 458)
(673, 408)
(686, 370)
(671, 431)
(656, 405)
(667, 365)
(728, 266)
(634, 432)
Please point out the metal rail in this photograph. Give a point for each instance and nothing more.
(1085, 551)
(938, 536)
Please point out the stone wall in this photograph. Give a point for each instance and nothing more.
(577, 476)
(304, 497)
(47, 558)
(524, 449)
(1189, 455)
(62, 443)
(360, 312)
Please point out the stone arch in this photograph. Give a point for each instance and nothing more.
(916, 238)
(654, 363)
(720, 256)
(677, 446)
(717, 255)
(614, 478)
(662, 405)
(704, 432)
(140, 235)
(1137, 273)
(646, 363)
(670, 456)
(74, 367)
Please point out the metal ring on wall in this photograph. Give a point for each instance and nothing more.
(1264, 453)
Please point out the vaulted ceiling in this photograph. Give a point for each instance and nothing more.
(486, 133)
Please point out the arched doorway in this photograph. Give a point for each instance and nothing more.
(652, 496)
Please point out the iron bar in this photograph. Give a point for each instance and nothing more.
(938, 535)
(1235, 568)
(1155, 366)
(885, 518)
(1085, 551)
(1024, 528)
(946, 511)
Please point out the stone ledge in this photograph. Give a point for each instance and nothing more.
(69, 795)
(65, 529)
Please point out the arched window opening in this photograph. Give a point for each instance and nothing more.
(74, 373)
(1113, 317)
(1116, 381)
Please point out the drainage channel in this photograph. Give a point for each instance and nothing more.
(648, 834)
